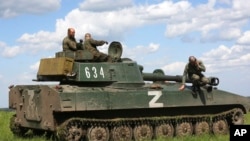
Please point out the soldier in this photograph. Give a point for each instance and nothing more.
(91, 45)
(69, 42)
(193, 70)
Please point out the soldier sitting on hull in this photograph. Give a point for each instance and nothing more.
(193, 70)
(91, 45)
(69, 42)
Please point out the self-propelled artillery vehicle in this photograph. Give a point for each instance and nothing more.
(102, 101)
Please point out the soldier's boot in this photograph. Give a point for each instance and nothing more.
(209, 89)
(195, 89)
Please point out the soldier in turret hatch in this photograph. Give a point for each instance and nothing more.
(91, 45)
(69, 42)
(193, 70)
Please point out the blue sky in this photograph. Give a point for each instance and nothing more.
(155, 33)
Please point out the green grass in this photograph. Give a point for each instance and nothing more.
(6, 134)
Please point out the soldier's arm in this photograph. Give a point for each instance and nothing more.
(201, 66)
(184, 76)
(97, 42)
(64, 44)
(72, 45)
(182, 87)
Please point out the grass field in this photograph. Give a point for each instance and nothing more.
(6, 134)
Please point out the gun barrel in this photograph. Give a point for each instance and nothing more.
(157, 77)
(214, 81)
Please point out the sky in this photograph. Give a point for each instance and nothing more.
(155, 33)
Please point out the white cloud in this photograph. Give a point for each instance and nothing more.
(41, 40)
(165, 9)
(222, 52)
(11, 8)
(241, 6)
(225, 1)
(41, 36)
(25, 78)
(29, 48)
(212, 22)
(174, 68)
(222, 58)
(245, 39)
(11, 51)
(180, 17)
(2, 46)
(229, 34)
(153, 47)
(113, 23)
(35, 66)
(142, 50)
(104, 5)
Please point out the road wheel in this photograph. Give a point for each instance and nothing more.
(238, 117)
(70, 130)
(184, 129)
(143, 132)
(122, 133)
(164, 131)
(98, 134)
(220, 127)
(201, 128)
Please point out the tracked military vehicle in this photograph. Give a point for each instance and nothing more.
(102, 101)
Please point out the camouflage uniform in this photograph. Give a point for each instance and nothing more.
(194, 74)
(91, 46)
(69, 44)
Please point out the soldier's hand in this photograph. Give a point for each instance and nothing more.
(182, 87)
(197, 63)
